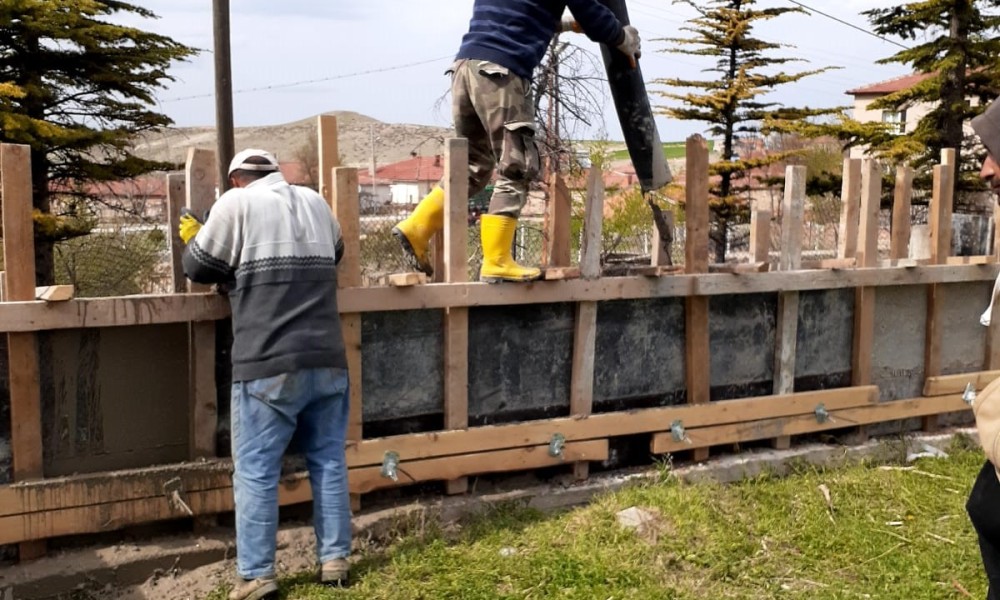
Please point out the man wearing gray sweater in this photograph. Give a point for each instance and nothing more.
(278, 246)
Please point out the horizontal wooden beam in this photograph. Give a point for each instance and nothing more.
(955, 384)
(353, 300)
(111, 312)
(603, 425)
(703, 437)
(179, 498)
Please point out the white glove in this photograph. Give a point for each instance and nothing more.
(631, 46)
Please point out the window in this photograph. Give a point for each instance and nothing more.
(896, 121)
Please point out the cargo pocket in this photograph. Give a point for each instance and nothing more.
(493, 70)
(519, 160)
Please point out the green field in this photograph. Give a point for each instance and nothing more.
(671, 150)
(886, 533)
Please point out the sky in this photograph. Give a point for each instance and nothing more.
(386, 58)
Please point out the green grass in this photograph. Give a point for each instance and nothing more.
(890, 534)
(671, 150)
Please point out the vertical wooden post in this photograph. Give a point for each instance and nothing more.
(329, 157)
(660, 251)
(793, 207)
(557, 224)
(867, 257)
(939, 220)
(199, 178)
(176, 199)
(22, 348)
(697, 360)
(346, 210)
(581, 398)
(456, 270)
(902, 198)
(760, 236)
(850, 196)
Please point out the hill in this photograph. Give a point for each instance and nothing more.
(290, 141)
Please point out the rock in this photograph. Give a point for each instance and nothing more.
(636, 518)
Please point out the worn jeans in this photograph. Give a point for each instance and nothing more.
(982, 506)
(265, 415)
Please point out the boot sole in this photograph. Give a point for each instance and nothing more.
(508, 279)
(265, 593)
(411, 256)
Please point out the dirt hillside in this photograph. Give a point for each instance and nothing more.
(394, 142)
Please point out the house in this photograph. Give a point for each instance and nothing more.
(409, 180)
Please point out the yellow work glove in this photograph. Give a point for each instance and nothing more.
(188, 227)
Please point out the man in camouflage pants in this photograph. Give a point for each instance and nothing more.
(491, 107)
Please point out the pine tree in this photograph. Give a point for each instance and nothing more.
(77, 87)
(960, 58)
(731, 101)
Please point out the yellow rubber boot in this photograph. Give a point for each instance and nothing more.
(414, 232)
(497, 233)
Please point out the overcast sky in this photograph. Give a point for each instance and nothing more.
(314, 55)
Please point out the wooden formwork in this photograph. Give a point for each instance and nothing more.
(35, 508)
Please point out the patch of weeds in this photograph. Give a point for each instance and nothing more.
(963, 442)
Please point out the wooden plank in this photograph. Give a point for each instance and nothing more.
(968, 260)
(22, 348)
(830, 263)
(126, 311)
(560, 273)
(55, 293)
(559, 214)
(176, 200)
(346, 209)
(199, 179)
(369, 479)
(903, 196)
(697, 359)
(591, 248)
(111, 515)
(944, 385)
(866, 255)
(329, 154)
(660, 251)
(456, 270)
(760, 236)
(940, 232)
(407, 279)
(847, 242)
(734, 268)
(664, 443)
(790, 259)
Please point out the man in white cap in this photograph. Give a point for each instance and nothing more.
(280, 245)
(984, 499)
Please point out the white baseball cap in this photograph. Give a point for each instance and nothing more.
(239, 161)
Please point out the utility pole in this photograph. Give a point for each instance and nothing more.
(371, 131)
(225, 144)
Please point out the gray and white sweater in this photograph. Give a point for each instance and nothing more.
(281, 245)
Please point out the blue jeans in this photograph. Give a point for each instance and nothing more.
(265, 415)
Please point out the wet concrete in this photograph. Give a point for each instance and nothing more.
(898, 348)
(823, 345)
(963, 339)
(741, 337)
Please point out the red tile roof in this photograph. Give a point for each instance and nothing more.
(890, 86)
(418, 168)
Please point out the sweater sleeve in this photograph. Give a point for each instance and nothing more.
(213, 255)
(597, 21)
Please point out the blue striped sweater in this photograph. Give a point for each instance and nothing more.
(516, 33)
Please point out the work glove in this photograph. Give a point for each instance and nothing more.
(568, 23)
(630, 45)
(189, 226)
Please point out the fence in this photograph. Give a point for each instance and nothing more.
(556, 372)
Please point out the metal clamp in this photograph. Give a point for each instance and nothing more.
(822, 415)
(390, 466)
(969, 395)
(556, 445)
(678, 432)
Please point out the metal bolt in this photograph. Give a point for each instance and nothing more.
(557, 445)
(822, 415)
(390, 466)
(678, 432)
(969, 395)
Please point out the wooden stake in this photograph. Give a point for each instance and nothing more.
(851, 198)
(697, 363)
(176, 200)
(456, 270)
(581, 400)
(760, 236)
(22, 348)
(792, 211)
(559, 214)
(940, 231)
(345, 205)
(867, 257)
(329, 157)
(901, 213)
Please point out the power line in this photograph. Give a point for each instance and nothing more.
(278, 86)
(849, 24)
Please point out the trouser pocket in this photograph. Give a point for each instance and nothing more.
(519, 159)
